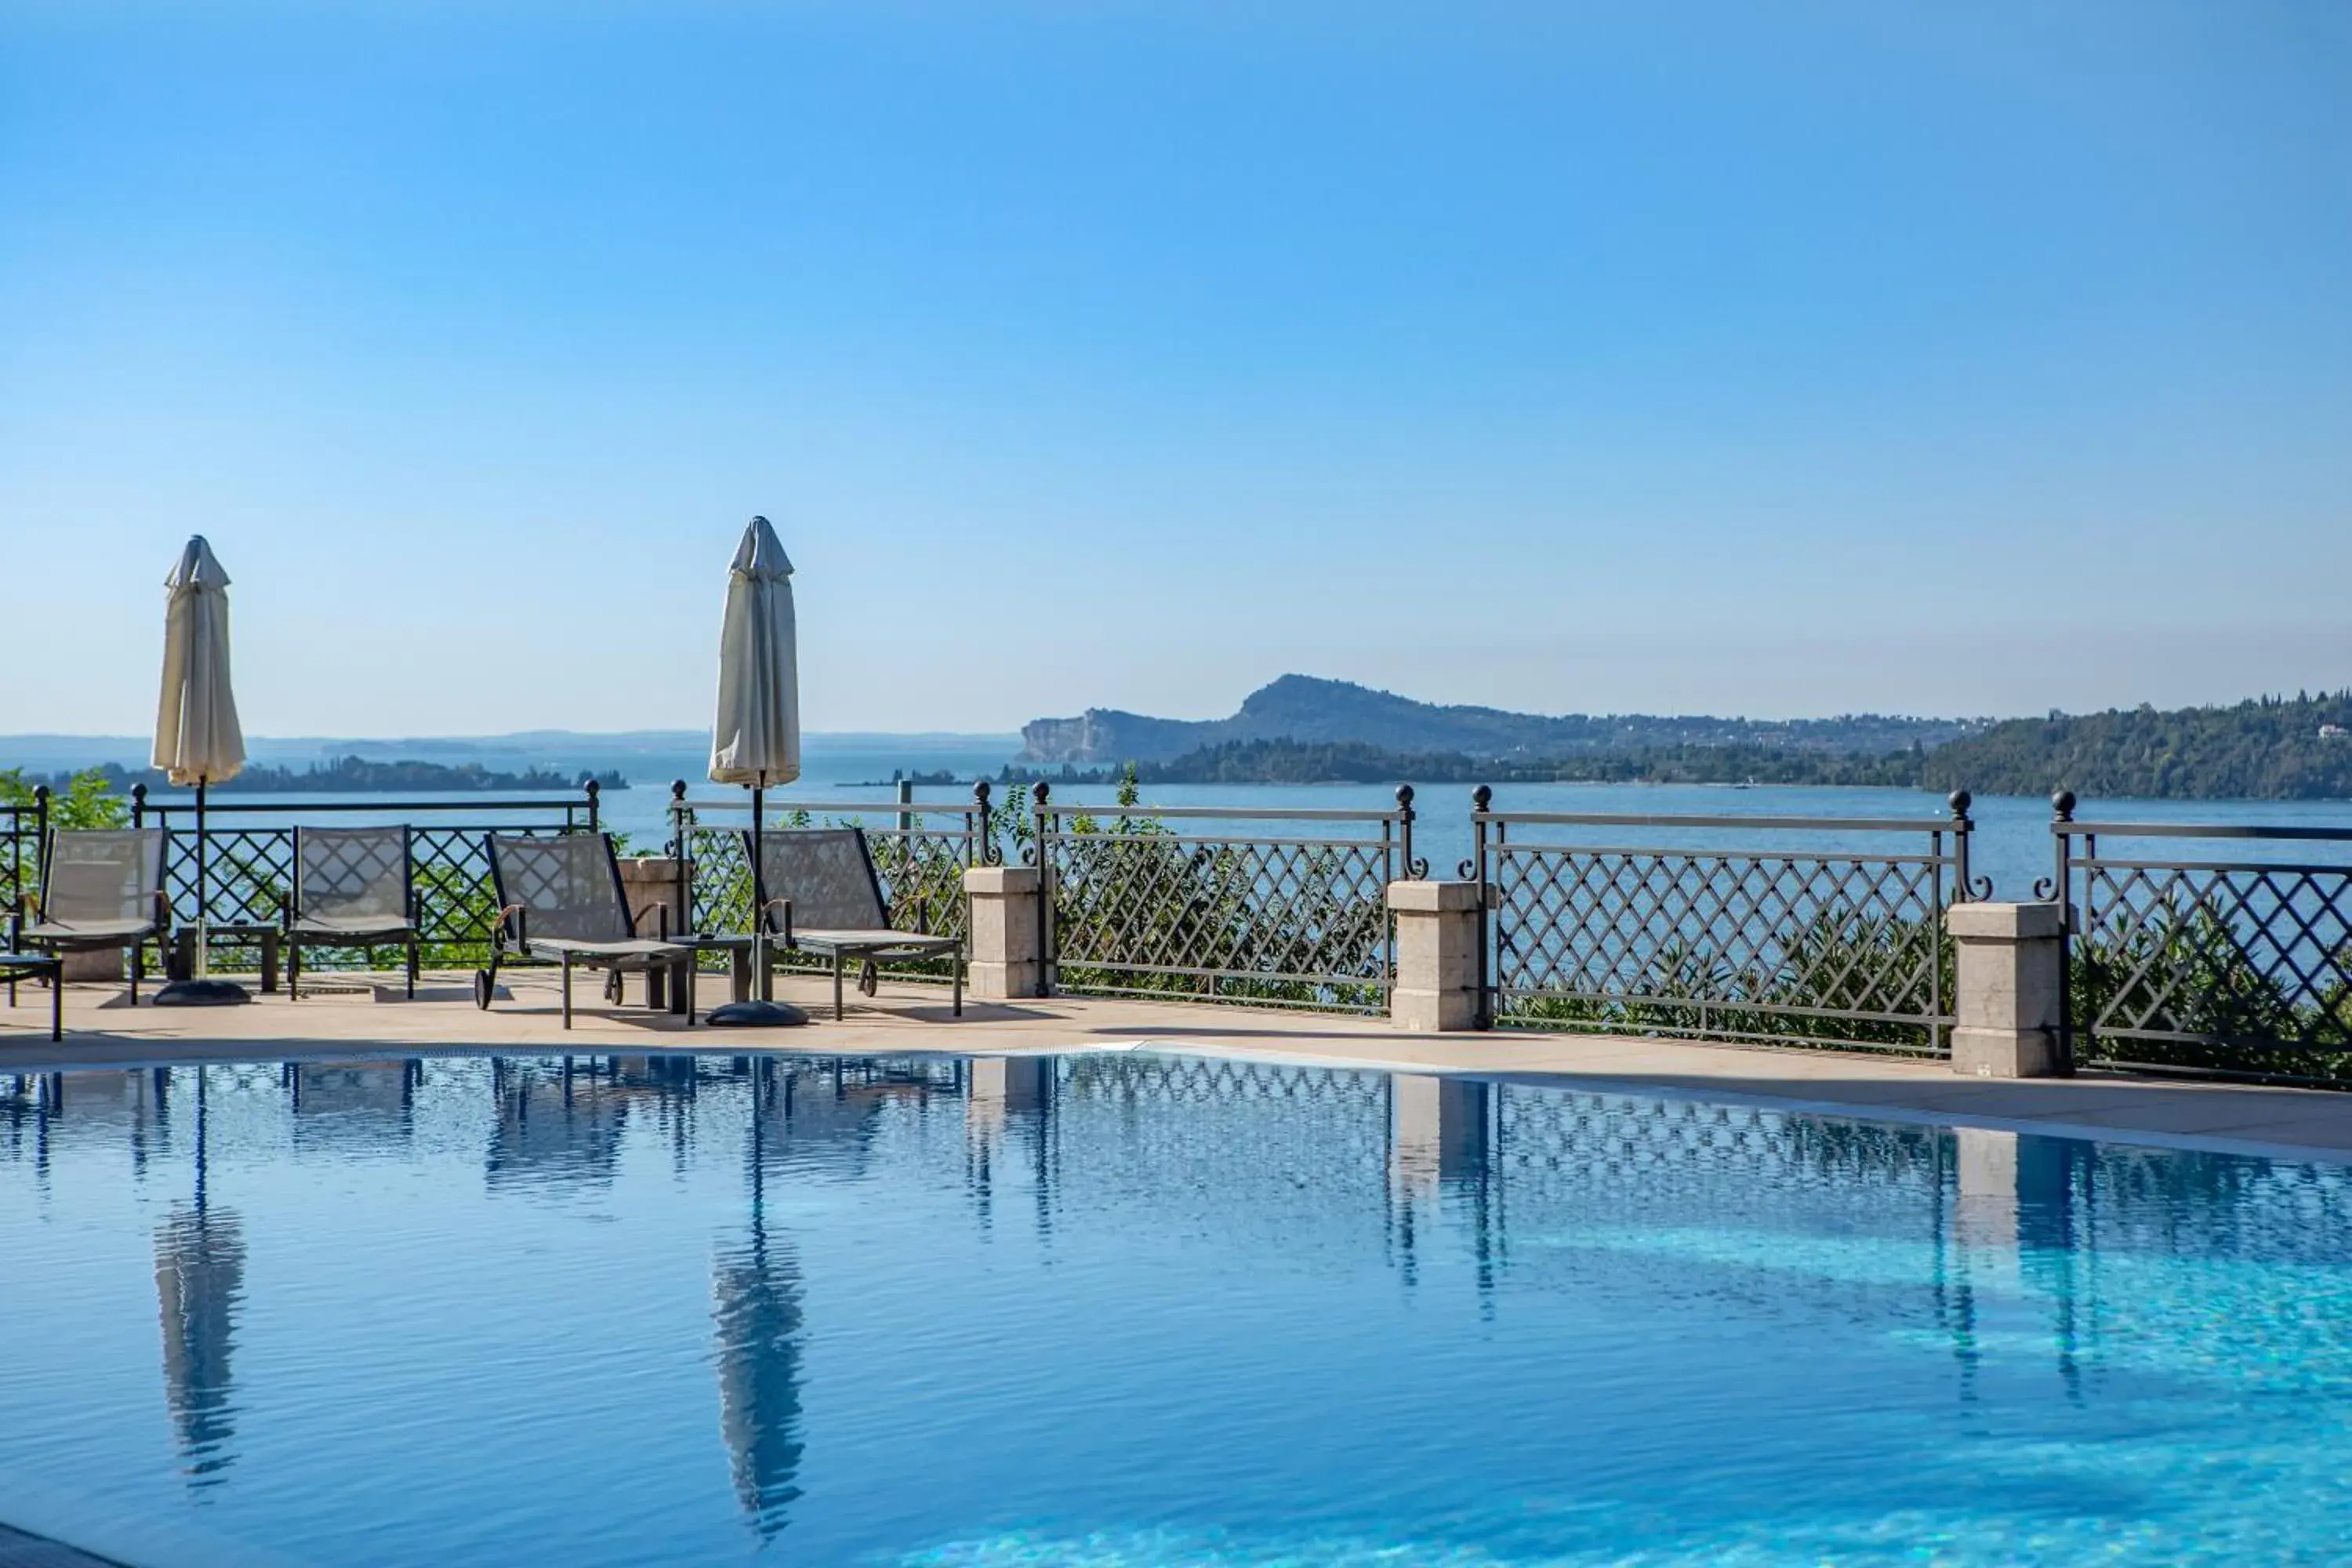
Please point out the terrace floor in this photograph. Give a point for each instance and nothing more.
(102, 1030)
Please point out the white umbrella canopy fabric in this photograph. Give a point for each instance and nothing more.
(756, 739)
(197, 740)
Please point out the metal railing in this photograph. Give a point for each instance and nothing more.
(920, 848)
(2237, 965)
(22, 830)
(1835, 937)
(249, 855)
(1188, 902)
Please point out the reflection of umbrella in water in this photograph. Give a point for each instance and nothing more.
(199, 1282)
(757, 1321)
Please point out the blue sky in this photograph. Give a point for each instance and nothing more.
(1778, 358)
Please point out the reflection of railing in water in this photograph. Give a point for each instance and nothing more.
(1534, 1187)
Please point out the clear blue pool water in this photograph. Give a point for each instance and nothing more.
(1127, 1309)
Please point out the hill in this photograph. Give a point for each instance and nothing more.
(1309, 710)
(357, 774)
(2269, 748)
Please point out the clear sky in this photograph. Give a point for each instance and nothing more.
(1781, 359)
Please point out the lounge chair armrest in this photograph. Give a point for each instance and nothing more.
(783, 908)
(638, 918)
(163, 911)
(499, 922)
(286, 913)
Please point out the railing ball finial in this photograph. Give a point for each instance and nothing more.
(980, 793)
(677, 790)
(2063, 804)
(139, 794)
(1404, 797)
(1039, 793)
(1959, 800)
(41, 795)
(1481, 798)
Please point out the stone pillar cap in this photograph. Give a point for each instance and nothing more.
(1433, 898)
(1000, 879)
(2005, 922)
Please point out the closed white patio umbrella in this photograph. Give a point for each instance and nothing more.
(755, 740)
(197, 739)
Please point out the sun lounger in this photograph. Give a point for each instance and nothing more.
(824, 899)
(352, 888)
(102, 887)
(559, 901)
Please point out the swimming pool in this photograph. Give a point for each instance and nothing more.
(1136, 1309)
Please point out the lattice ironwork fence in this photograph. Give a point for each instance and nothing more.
(2237, 964)
(1201, 902)
(1835, 935)
(920, 850)
(248, 866)
(22, 830)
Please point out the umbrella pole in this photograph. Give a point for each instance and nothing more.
(198, 990)
(760, 1008)
(763, 982)
(203, 961)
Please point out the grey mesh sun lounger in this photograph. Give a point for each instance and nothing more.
(352, 888)
(559, 901)
(102, 887)
(824, 899)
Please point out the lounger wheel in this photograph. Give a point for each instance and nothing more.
(613, 986)
(482, 989)
(868, 977)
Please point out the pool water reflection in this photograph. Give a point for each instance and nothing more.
(1126, 1307)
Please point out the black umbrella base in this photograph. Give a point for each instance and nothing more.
(755, 1016)
(202, 993)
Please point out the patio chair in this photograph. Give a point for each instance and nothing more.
(102, 887)
(559, 900)
(352, 888)
(824, 897)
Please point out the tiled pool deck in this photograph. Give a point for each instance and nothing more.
(103, 1031)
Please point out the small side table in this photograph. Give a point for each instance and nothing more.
(266, 937)
(17, 965)
(738, 949)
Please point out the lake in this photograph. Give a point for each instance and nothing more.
(2011, 843)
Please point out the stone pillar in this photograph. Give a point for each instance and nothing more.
(1003, 959)
(1437, 956)
(2010, 990)
(649, 883)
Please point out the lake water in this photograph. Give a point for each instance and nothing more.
(2011, 843)
(1126, 1308)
